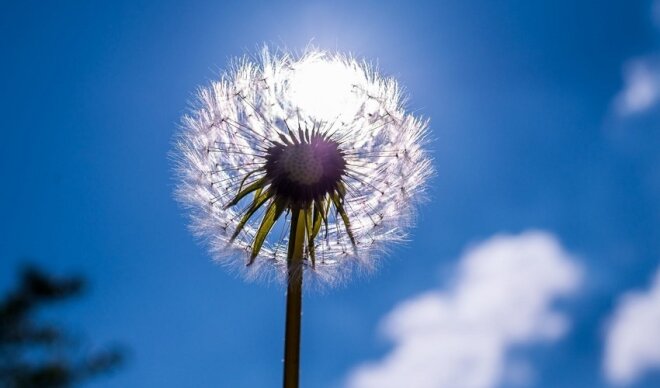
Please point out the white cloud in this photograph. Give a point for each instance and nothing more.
(503, 296)
(642, 87)
(656, 12)
(633, 337)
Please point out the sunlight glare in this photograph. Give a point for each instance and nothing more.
(324, 89)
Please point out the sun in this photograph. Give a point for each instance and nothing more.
(324, 89)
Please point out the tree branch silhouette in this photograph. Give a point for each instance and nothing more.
(34, 353)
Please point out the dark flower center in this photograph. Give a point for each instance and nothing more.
(305, 171)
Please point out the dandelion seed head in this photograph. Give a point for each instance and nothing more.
(322, 132)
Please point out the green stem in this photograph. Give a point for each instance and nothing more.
(294, 298)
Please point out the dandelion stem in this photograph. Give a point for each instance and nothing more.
(294, 298)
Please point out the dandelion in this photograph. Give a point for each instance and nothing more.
(301, 165)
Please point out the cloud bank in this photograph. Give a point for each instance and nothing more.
(633, 337)
(503, 297)
(641, 89)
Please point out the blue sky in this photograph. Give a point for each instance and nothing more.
(544, 116)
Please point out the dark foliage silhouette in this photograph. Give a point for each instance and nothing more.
(36, 353)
